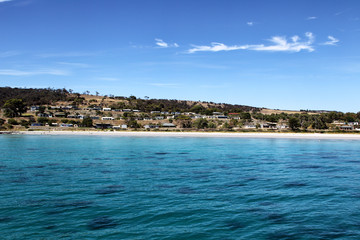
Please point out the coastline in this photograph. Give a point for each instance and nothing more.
(330, 136)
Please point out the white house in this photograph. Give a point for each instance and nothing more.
(107, 118)
(106, 109)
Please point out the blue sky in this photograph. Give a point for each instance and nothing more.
(269, 53)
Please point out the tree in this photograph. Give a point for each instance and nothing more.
(201, 123)
(294, 123)
(87, 122)
(14, 107)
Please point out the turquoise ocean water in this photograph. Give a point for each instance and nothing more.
(94, 187)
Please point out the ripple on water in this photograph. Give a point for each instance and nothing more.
(102, 223)
(110, 189)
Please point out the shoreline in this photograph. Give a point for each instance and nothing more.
(335, 136)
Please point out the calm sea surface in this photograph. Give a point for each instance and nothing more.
(94, 187)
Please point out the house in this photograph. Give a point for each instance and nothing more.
(106, 109)
(282, 126)
(168, 125)
(126, 110)
(45, 115)
(152, 112)
(216, 113)
(66, 125)
(59, 114)
(135, 110)
(269, 125)
(346, 128)
(159, 118)
(107, 118)
(37, 124)
(123, 126)
(94, 117)
(151, 126)
(34, 108)
(250, 126)
(221, 117)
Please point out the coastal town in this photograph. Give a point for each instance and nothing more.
(84, 111)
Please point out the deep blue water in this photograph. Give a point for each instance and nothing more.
(92, 187)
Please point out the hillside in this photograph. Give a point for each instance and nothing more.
(33, 96)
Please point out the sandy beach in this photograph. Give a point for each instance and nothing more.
(197, 134)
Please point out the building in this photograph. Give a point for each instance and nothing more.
(168, 125)
(107, 118)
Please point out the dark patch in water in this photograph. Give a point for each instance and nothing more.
(308, 167)
(164, 186)
(181, 153)
(107, 171)
(236, 185)
(234, 225)
(102, 158)
(32, 149)
(276, 218)
(21, 180)
(186, 190)
(85, 158)
(250, 179)
(42, 174)
(36, 166)
(224, 167)
(161, 153)
(195, 159)
(282, 236)
(75, 204)
(101, 223)
(110, 189)
(266, 203)
(50, 227)
(294, 184)
(5, 219)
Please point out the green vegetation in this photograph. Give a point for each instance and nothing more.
(14, 107)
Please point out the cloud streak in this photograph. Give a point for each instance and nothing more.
(9, 54)
(19, 73)
(1, 1)
(160, 43)
(332, 41)
(311, 18)
(168, 85)
(278, 44)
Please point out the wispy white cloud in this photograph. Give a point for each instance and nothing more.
(75, 64)
(14, 72)
(9, 54)
(169, 85)
(162, 44)
(1, 1)
(250, 24)
(332, 41)
(311, 18)
(68, 54)
(279, 44)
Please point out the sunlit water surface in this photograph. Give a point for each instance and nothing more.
(94, 187)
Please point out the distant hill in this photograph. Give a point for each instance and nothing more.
(48, 96)
(33, 96)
